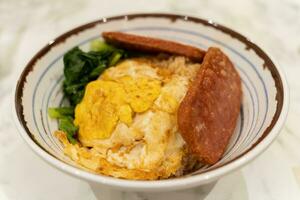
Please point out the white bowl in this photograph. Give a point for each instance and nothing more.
(263, 111)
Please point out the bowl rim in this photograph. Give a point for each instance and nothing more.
(263, 142)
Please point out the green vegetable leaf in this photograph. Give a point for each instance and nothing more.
(66, 125)
(98, 45)
(115, 57)
(98, 70)
(62, 112)
(82, 67)
(74, 65)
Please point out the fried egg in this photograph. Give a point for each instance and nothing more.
(127, 119)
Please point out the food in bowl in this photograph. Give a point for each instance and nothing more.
(136, 113)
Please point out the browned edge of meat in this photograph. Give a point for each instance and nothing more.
(152, 45)
(208, 114)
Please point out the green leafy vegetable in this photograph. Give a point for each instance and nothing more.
(114, 58)
(57, 113)
(98, 45)
(79, 69)
(82, 67)
(98, 70)
(65, 116)
(66, 125)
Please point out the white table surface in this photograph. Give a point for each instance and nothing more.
(27, 25)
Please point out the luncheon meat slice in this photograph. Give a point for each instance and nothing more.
(152, 45)
(208, 114)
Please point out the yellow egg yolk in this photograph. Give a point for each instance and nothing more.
(107, 102)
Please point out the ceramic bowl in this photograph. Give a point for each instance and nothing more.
(263, 111)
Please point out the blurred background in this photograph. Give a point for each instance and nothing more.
(27, 25)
